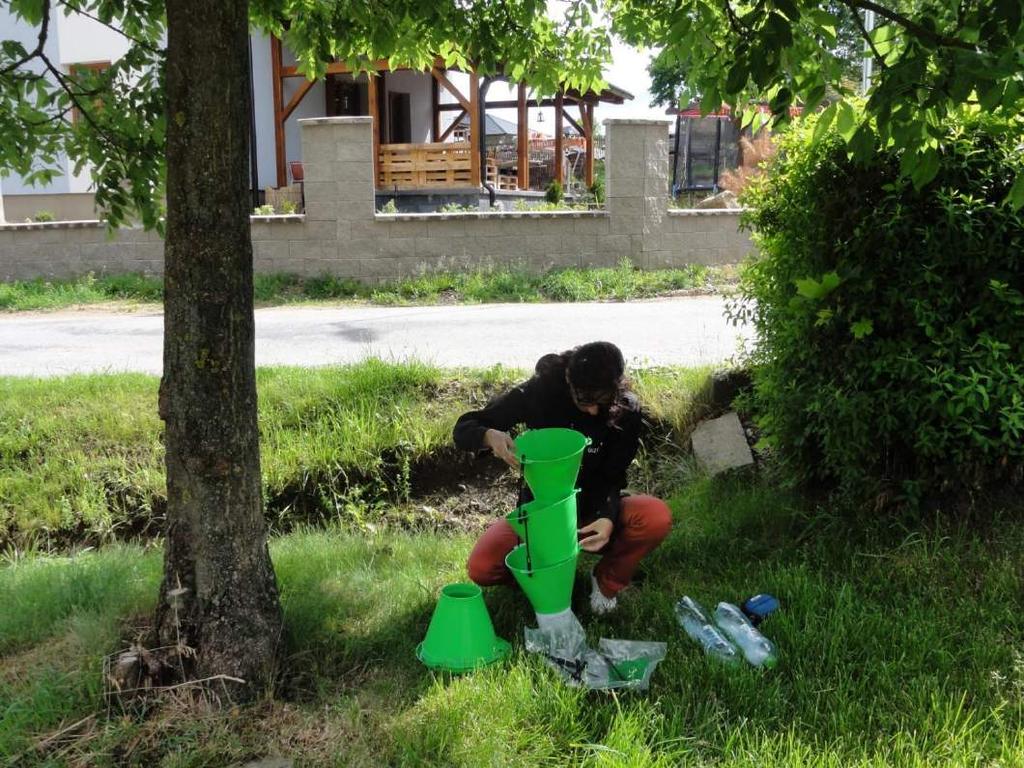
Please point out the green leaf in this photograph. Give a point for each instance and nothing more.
(845, 120)
(830, 281)
(925, 168)
(780, 102)
(816, 290)
(863, 142)
(862, 328)
(809, 288)
(1015, 197)
(1009, 11)
(788, 7)
(814, 96)
(737, 78)
(825, 120)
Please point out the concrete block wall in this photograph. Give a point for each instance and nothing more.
(55, 250)
(341, 234)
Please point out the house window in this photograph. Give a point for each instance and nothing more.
(75, 70)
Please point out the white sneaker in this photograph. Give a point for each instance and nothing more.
(599, 604)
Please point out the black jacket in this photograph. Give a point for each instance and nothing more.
(545, 401)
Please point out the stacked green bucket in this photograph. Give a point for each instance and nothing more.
(544, 565)
(461, 636)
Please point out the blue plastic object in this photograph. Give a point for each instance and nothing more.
(758, 607)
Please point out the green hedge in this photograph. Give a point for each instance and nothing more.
(890, 320)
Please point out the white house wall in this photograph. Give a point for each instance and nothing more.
(417, 85)
(82, 40)
(13, 28)
(313, 105)
(263, 110)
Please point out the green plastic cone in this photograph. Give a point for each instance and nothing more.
(461, 636)
(549, 589)
(547, 528)
(551, 460)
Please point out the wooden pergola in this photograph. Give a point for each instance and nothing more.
(465, 104)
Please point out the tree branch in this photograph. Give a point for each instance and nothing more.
(734, 21)
(56, 117)
(44, 29)
(65, 83)
(865, 34)
(141, 43)
(909, 25)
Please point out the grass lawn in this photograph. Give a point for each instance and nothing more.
(897, 648)
(899, 644)
(81, 458)
(496, 284)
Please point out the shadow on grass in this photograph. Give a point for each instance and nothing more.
(896, 647)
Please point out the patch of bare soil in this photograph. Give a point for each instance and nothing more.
(459, 500)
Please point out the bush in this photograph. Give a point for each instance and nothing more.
(553, 194)
(42, 217)
(889, 320)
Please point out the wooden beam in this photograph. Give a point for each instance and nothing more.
(559, 139)
(275, 64)
(296, 99)
(440, 77)
(522, 141)
(504, 104)
(573, 123)
(435, 113)
(474, 129)
(453, 126)
(339, 68)
(373, 99)
(588, 123)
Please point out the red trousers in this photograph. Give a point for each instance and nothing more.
(643, 523)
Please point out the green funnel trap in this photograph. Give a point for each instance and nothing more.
(461, 636)
(551, 460)
(548, 529)
(548, 588)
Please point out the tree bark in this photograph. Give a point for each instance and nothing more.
(219, 594)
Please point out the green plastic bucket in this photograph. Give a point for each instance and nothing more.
(551, 460)
(547, 528)
(549, 589)
(461, 636)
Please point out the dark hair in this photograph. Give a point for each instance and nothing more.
(596, 371)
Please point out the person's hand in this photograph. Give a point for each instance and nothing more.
(596, 534)
(502, 445)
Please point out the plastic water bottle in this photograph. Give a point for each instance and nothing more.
(756, 648)
(697, 625)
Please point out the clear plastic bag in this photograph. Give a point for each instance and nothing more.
(623, 664)
(560, 635)
(616, 664)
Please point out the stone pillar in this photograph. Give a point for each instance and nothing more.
(637, 182)
(337, 160)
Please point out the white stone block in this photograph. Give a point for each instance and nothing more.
(720, 444)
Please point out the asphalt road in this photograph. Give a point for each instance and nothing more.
(677, 331)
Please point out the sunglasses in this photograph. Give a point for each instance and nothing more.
(600, 399)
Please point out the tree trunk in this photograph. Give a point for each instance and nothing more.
(219, 594)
